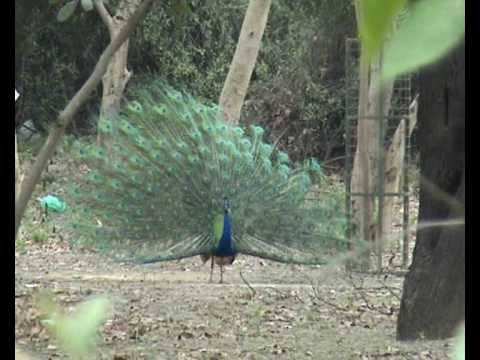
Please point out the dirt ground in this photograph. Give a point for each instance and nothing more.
(170, 311)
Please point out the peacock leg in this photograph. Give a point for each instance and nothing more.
(211, 270)
(221, 273)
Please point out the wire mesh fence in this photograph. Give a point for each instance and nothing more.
(387, 128)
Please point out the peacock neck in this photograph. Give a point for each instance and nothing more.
(225, 246)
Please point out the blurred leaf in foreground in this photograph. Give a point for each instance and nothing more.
(376, 22)
(432, 28)
(76, 332)
(459, 344)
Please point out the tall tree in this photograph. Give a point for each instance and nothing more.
(394, 168)
(117, 75)
(17, 160)
(373, 107)
(433, 300)
(244, 59)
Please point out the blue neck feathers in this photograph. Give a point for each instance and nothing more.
(225, 246)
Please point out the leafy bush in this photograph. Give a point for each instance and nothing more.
(296, 89)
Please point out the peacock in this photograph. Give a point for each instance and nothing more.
(172, 180)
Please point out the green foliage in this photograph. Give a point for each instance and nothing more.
(298, 87)
(190, 48)
(155, 190)
(87, 5)
(67, 10)
(77, 332)
(27, 12)
(56, 59)
(432, 28)
(39, 236)
(376, 22)
(297, 83)
(20, 245)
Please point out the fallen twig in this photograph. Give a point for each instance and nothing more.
(316, 295)
(248, 284)
(359, 289)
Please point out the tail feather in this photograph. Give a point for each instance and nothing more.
(155, 189)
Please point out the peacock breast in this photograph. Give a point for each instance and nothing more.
(226, 246)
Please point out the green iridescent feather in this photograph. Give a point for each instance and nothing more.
(156, 188)
(218, 227)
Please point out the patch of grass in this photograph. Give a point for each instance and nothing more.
(256, 317)
(39, 236)
(32, 231)
(20, 245)
(28, 149)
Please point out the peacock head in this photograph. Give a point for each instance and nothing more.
(226, 205)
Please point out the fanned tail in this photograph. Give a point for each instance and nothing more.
(156, 186)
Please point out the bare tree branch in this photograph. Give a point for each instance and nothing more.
(105, 16)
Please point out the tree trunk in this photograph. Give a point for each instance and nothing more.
(366, 161)
(373, 105)
(380, 98)
(433, 300)
(65, 117)
(18, 178)
(243, 63)
(362, 206)
(117, 76)
(115, 81)
(17, 160)
(394, 167)
(17, 169)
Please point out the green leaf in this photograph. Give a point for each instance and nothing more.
(67, 10)
(376, 22)
(432, 29)
(87, 5)
(76, 333)
(459, 344)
